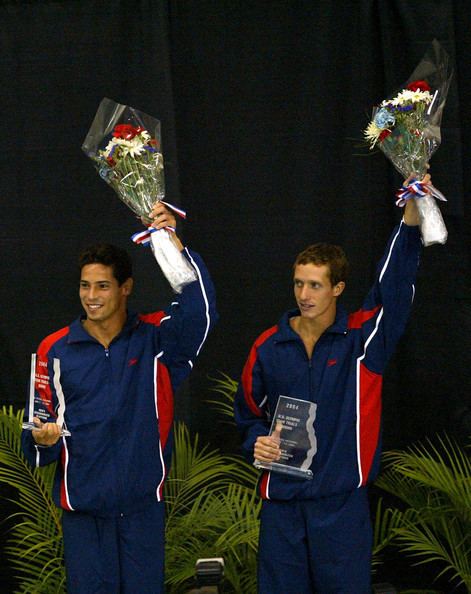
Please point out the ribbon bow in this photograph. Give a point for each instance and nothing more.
(416, 189)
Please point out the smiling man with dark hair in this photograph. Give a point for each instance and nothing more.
(115, 373)
(108, 255)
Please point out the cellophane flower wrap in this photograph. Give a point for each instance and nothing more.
(124, 145)
(406, 127)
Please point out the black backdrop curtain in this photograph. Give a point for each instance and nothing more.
(262, 105)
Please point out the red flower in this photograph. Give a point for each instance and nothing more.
(418, 85)
(110, 161)
(384, 134)
(125, 131)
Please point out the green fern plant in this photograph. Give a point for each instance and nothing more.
(34, 548)
(226, 387)
(212, 509)
(433, 524)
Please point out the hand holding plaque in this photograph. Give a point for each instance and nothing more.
(293, 428)
(40, 404)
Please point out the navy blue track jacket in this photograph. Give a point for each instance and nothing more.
(119, 402)
(343, 377)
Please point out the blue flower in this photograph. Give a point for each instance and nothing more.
(384, 119)
(105, 172)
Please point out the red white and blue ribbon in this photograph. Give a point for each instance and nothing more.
(416, 189)
(143, 237)
(179, 211)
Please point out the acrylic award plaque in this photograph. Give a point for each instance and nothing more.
(40, 404)
(293, 428)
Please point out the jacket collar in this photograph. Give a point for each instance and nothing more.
(285, 332)
(77, 332)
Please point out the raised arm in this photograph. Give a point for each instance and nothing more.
(411, 213)
(163, 217)
(389, 302)
(192, 314)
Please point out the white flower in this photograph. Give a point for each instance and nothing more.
(144, 135)
(110, 146)
(407, 97)
(423, 96)
(372, 133)
(136, 147)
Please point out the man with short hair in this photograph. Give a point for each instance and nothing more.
(316, 535)
(116, 373)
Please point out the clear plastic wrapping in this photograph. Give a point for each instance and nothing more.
(406, 128)
(124, 145)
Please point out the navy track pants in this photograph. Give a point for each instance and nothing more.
(320, 546)
(122, 555)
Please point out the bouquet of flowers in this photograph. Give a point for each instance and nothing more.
(124, 145)
(406, 127)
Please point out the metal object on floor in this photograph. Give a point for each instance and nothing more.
(209, 574)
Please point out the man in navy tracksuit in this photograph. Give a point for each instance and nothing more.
(316, 534)
(110, 378)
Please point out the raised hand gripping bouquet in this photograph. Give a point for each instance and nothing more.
(124, 145)
(406, 127)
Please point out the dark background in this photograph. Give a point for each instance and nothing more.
(262, 105)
